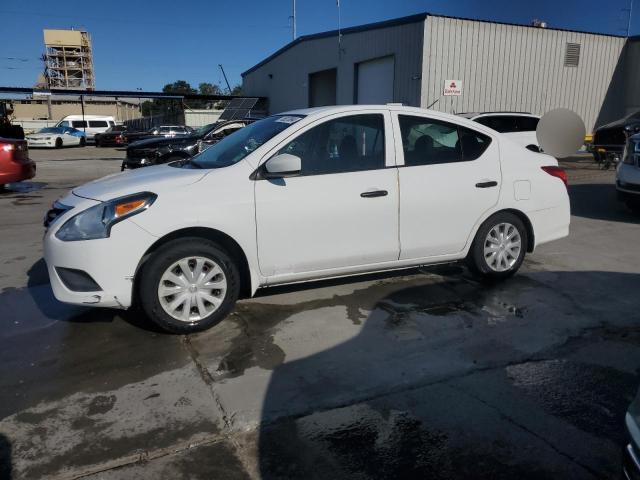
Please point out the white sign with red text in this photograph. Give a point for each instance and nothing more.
(452, 87)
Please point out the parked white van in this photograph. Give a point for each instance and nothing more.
(90, 124)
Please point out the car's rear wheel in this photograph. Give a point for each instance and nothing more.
(499, 247)
(189, 285)
(58, 142)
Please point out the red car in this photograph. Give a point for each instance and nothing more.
(15, 164)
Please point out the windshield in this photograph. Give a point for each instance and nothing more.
(51, 130)
(235, 147)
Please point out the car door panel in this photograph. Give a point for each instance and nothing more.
(440, 203)
(328, 221)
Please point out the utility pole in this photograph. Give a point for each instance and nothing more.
(225, 78)
(629, 20)
(293, 20)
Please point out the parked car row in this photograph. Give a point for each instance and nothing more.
(153, 151)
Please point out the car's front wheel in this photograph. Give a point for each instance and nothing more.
(189, 285)
(58, 142)
(499, 247)
(83, 141)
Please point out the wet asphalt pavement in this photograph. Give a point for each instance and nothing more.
(423, 374)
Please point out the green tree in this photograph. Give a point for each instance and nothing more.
(179, 86)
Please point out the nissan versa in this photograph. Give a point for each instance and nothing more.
(309, 194)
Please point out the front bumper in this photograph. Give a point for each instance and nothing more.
(41, 143)
(111, 262)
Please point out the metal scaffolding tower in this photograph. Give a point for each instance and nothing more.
(68, 60)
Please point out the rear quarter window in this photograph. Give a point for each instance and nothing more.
(98, 123)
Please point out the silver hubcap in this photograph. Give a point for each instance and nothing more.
(192, 289)
(502, 247)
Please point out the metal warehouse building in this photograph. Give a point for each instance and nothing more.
(496, 66)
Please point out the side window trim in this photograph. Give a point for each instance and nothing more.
(390, 154)
(399, 146)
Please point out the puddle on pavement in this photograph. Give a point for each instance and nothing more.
(411, 304)
(594, 398)
(360, 442)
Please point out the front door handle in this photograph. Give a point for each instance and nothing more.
(488, 184)
(374, 193)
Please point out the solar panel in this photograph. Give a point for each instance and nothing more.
(238, 108)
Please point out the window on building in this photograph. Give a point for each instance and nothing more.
(572, 55)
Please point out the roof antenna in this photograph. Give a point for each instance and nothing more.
(293, 20)
(339, 32)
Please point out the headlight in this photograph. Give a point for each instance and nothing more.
(96, 222)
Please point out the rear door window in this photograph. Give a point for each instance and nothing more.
(98, 123)
(79, 124)
(427, 141)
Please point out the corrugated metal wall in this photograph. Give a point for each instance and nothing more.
(287, 88)
(518, 68)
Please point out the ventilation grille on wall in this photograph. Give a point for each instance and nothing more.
(572, 55)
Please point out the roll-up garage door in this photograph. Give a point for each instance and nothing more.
(375, 81)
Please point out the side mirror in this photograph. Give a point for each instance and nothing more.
(283, 165)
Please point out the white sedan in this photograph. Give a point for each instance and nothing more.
(57, 137)
(304, 195)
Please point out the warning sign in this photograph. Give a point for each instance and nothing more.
(452, 87)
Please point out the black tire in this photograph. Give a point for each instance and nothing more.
(59, 142)
(476, 259)
(167, 255)
(633, 204)
(83, 141)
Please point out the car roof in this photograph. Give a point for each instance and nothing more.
(394, 107)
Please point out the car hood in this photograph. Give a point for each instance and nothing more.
(42, 135)
(149, 179)
(159, 142)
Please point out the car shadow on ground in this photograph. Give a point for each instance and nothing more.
(40, 291)
(598, 201)
(457, 379)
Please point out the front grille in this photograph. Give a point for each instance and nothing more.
(56, 210)
(610, 136)
(141, 153)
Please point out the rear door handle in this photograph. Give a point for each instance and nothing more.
(487, 184)
(374, 193)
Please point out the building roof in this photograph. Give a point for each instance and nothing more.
(420, 17)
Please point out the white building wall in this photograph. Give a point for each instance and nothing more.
(517, 68)
(287, 88)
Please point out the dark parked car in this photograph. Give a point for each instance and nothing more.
(609, 140)
(159, 131)
(153, 151)
(15, 164)
(113, 137)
